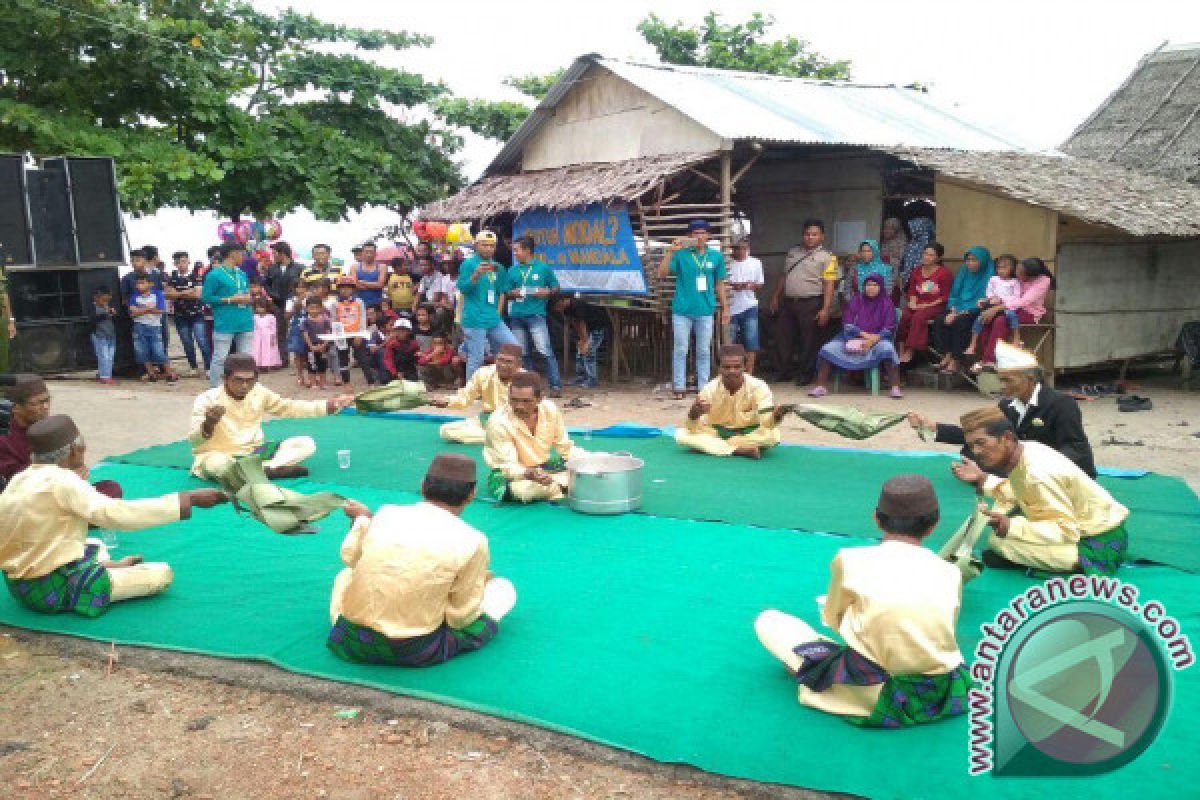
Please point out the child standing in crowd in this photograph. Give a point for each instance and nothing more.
(424, 330)
(295, 315)
(266, 337)
(400, 353)
(104, 334)
(375, 339)
(147, 307)
(316, 324)
(1003, 290)
(437, 366)
(351, 316)
(329, 302)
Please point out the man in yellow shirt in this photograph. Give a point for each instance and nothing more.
(400, 286)
(227, 422)
(489, 385)
(417, 590)
(1048, 513)
(735, 414)
(895, 606)
(48, 561)
(527, 445)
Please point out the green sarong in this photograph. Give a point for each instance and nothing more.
(729, 433)
(914, 699)
(847, 421)
(1104, 553)
(497, 484)
(360, 644)
(82, 586)
(281, 510)
(399, 395)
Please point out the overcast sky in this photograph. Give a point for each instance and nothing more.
(1036, 67)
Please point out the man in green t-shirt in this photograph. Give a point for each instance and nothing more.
(483, 281)
(699, 288)
(227, 292)
(531, 282)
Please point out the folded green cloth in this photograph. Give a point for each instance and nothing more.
(399, 395)
(960, 549)
(281, 510)
(847, 421)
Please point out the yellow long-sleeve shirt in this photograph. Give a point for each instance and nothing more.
(896, 604)
(512, 448)
(414, 567)
(239, 431)
(486, 387)
(752, 404)
(45, 512)
(1060, 504)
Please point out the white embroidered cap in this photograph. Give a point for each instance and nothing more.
(1014, 359)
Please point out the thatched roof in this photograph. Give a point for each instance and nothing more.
(1092, 191)
(562, 187)
(1152, 122)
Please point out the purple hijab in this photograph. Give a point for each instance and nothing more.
(870, 315)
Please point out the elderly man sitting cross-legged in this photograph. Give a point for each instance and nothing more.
(734, 415)
(48, 562)
(416, 590)
(527, 445)
(488, 385)
(227, 422)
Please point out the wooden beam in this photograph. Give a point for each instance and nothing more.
(708, 178)
(745, 167)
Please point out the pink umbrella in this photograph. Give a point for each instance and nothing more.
(386, 254)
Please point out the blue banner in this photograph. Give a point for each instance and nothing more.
(590, 249)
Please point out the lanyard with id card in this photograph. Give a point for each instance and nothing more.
(491, 295)
(701, 274)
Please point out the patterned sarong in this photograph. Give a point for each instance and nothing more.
(1103, 553)
(266, 451)
(351, 642)
(82, 586)
(903, 700)
(729, 433)
(497, 484)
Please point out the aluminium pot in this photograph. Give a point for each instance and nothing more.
(605, 483)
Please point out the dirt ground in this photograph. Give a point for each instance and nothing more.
(168, 725)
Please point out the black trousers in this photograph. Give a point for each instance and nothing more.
(796, 329)
(955, 337)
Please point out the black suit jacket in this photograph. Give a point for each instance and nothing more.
(1055, 421)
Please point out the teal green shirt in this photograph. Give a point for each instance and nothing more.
(534, 275)
(222, 282)
(691, 269)
(481, 300)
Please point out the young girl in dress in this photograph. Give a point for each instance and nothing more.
(266, 338)
(1003, 290)
(294, 312)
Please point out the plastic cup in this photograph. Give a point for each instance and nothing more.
(343, 457)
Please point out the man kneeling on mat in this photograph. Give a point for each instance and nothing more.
(48, 562)
(416, 590)
(227, 422)
(735, 414)
(1048, 513)
(895, 605)
(489, 385)
(527, 445)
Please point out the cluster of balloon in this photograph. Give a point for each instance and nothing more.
(434, 231)
(459, 233)
(253, 233)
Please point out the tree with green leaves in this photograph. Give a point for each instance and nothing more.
(741, 46)
(213, 104)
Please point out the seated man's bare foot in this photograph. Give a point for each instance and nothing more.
(748, 452)
(127, 561)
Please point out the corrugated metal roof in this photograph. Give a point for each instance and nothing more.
(745, 105)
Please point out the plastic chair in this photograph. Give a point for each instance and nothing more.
(872, 380)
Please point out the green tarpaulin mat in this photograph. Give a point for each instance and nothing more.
(814, 489)
(631, 631)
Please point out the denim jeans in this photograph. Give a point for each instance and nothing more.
(223, 345)
(479, 339)
(192, 332)
(148, 344)
(586, 372)
(683, 327)
(533, 335)
(106, 350)
(745, 329)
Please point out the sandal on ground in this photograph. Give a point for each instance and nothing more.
(896, 393)
(677, 395)
(149, 379)
(818, 391)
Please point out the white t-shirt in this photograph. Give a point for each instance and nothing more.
(748, 271)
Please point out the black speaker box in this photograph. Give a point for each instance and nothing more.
(16, 243)
(51, 215)
(93, 184)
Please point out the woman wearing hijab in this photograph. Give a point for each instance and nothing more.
(952, 332)
(868, 324)
(921, 229)
(868, 264)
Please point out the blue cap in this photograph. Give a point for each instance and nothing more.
(698, 225)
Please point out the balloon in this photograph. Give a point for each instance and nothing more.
(244, 231)
(273, 229)
(225, 230)
(419, 229)
(436, 230)
(458, 233)
(260, 231)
